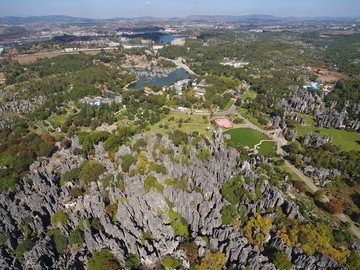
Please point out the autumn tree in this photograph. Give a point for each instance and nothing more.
(212, 261)
(298, 185)
(257, 228)
(335, 206)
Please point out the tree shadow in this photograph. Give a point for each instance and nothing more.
(355, 197)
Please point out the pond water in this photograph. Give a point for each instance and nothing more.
(144, 80)
(167, 39)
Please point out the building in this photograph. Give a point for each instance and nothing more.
(157, 47)
(235, 64)
(1, 50)
(114, 44)
(312, 85)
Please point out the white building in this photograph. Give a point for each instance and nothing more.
(114, 44)
(1, 50)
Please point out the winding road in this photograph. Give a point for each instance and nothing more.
(281, 142)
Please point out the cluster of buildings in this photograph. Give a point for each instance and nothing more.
(96, 101)
(325, 89)
(233, 63)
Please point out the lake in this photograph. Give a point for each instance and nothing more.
(170, 79)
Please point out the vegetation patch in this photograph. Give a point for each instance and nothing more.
(103, 260)
(245, 137)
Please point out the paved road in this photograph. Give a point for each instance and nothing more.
(309, 183)
(280, 142)
(179, 63)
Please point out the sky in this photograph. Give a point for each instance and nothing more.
(179, 8)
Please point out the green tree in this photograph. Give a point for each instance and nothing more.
(76, 237)
(280, 259)
(58, 239)
(60, 217)
(133, 261)
(229, 213)
(103, 260)
(171, 263)
(127, 161)
(91, 170)
(25, 246)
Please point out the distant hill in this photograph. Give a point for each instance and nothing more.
(257, 19)
(44, 19)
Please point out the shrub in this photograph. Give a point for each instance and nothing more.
(335, 206)
(76, 237)
(25, 246)
(212, 261)
(76, 192)
(127, 160)
(191, 250)
(133, 261)
(229, 213)
(103, 260)
(96, 225)
(280, 259)
(151, 182)
(298, 185)
(171, 263)
(178, 223)
(58, 239)
(111, 209)
(232, 190)
(70, 176)
(59, 217)
(204, 153)
(91, 170)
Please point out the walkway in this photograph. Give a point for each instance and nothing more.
(280, 142)
(179, 63)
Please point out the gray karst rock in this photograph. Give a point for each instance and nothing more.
(41, 256)
(316, 139)
(141, 222)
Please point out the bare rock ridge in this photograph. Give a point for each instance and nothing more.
(142, 212)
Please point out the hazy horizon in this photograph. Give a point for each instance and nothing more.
(180, 8)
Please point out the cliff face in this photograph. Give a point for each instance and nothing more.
(184, 201)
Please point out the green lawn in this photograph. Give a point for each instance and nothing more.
(293, 175)
(346, 140)
(246, 137)
(267, 148)
(249, 95)
(57, 120)
(196, 123)
(309, 120)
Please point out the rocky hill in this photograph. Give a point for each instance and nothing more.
(171, 197)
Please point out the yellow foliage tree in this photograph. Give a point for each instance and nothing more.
(313, 237)
(212, 261)
(143, 161)
(257, 228)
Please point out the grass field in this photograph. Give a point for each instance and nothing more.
(249, 95)
(28, 58)
(267, 148)
(346, 140)
(247, 137)
(309, 120)
(195, 123)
